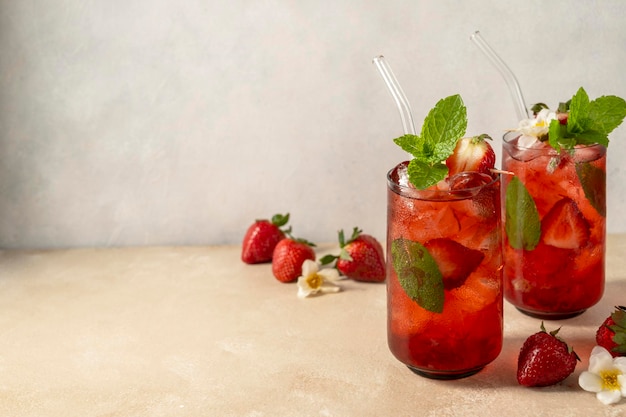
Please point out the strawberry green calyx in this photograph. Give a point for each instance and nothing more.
(303, 241)
(280, 220)
(554, 334)
(356, 232)
(619, 328)
(343, 253)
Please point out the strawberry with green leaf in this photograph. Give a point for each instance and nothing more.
(611, 335)
(288, 257)
(361, 257)
(262, 237)
(545, 359)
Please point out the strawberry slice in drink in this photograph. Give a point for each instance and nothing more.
(455, 261)
(564, 226)
(471, 154)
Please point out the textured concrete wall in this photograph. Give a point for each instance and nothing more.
(149, 122)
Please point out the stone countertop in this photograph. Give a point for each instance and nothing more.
(192, 331)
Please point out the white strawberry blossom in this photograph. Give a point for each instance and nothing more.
(315, 280)
(606, 376)
(532, 129)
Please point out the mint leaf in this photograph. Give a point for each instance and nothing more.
(410, 143)
(444, 125)
(577, 120)
(593, 181)
(588, 122)
(590, 137)
(418, 274)
(522, 224)
(606, 113)
(425, 174)
(557, 134)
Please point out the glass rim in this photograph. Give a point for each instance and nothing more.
(511, 135)
(437, 195)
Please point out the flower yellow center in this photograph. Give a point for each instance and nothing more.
(609, 380)
(314, 281)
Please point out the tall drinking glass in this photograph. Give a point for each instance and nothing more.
(555, 226)
(444, 274)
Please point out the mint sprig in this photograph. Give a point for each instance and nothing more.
(444, 125)
(588, 122)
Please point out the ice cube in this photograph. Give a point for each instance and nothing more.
(588, 153)
(468, 180)
(400, 175)
(526, 148)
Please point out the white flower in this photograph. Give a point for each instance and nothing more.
(314, 280)
(539, 126)
(606, 376)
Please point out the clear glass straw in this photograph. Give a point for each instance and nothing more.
(396, 92)
(507, 74)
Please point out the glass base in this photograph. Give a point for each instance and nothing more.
(445, 375)
(550, 316)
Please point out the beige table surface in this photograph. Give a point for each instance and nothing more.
(192, 331)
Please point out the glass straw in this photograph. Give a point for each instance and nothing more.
(507, 74)
(396, 92)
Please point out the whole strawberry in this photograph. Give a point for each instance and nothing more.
(544, 360)
(262, 237)
(471, 154)
(288, 257)
(611, 335)
(361, 257)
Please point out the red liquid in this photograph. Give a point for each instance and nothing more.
(467, 334)
(549, 281)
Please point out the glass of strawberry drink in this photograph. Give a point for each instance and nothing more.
(555, 206)
(444, 264)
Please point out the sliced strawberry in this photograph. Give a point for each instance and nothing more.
(564, 226)
(471, 154)
(455, 261)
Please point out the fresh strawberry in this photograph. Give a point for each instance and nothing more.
(564, 226)
(611, 335)
(455, 261)
(471, 154)
(261, 239)
(361, 257)
(288, 257)
(545, 359)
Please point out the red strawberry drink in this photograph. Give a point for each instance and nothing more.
(563, 274)
(444, 264)
(555, 210)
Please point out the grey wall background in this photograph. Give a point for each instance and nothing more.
(156, 122)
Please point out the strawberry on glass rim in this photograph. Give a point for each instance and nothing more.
(472, 154)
